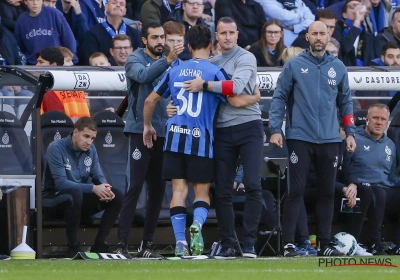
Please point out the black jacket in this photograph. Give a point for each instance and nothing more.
(382, 38)
(9, 49)
(10, 13)
(261, 62)
(98, 40)
(248, 16)
(346, 44)
(176, 16)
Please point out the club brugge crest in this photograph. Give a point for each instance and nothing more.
(57, 136)
(5, 139)
(87, 161)
(136, 155)
(108, 138)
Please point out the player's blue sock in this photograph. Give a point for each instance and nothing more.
(200, 212)
(178, 220)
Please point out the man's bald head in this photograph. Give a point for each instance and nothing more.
(318, 36)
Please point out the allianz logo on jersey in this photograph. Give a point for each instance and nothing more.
(177, 129)
(108, 140)
(5, 141)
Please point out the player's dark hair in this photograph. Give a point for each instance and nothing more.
(199, 37)
(52, 55)
(83, 122)
(145, 29)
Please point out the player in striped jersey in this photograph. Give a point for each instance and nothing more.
(189, 136)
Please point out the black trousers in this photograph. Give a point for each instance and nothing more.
(354, 221)
(244, 140)
(143, 165)
(74, 205)
(386, 201)
(325, 160)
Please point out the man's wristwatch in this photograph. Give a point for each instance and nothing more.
(205, 85)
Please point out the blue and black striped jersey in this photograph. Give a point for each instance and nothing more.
(190, 131)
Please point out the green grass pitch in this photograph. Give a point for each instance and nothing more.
(264, 268)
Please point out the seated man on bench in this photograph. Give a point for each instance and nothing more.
(67, 192)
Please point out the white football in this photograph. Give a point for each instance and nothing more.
(345, 243)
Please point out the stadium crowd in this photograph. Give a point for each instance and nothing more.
(149, 37)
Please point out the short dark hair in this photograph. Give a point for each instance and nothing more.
(52, 55)
(145, 28)
(389, 45)
(325, 13)
(199, 37)
(120, 37)
(226, 20)
(83, 122)
(397, 10)
(344, 8)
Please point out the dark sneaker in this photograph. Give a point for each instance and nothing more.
(289, 250)
(4, 258)
(377, 250)
(73, 250)
(196, 239)
(306, 249)
(329, 251)
(122, 249)
(146, 251)
(182, 249)
(248, 250)
(393, 251)
(226, 253)
(100, 247)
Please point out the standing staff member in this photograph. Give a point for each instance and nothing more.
(312, 86)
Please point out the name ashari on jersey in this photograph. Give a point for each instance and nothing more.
(190, 131)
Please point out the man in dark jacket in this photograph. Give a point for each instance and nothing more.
(10, 54)
(158, 10)
(389, 34)
(98, 38)
(248, 15)
(349, 31)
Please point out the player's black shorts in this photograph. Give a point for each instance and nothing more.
(194, 169)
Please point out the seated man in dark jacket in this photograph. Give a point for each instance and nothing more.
(349, 31)
(68, 192)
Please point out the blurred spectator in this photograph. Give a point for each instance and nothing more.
(389, 34)
(158, 10)
(133, 8)
(94, 10)
(189, 15)
(174, 34)
(334, 47)
(356, 43)
(10, 53)
(379, 17)
(77, 20)
(316, 5)
(216, 48)
(390, 57)
(99, 38)
(294, 15)
(290, 52)
(50, 3)
(326, 16)
(269, 48)
(99, 59)
(40, 28)
(68, 56)
(10, 11)
(71, 102)
(121, 48)
(16, 91)
(248, 15)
